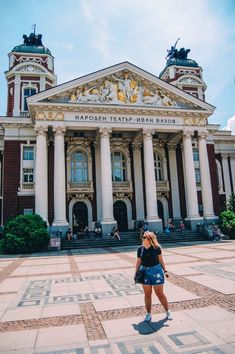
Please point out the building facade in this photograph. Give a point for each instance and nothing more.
(117, 146)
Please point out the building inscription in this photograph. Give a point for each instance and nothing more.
(126, 119)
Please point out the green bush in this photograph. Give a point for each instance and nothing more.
(227, 218)
(25, 233)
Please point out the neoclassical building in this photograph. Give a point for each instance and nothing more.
(117, 146)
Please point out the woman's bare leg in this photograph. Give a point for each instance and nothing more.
(158, 289)
(147, 297)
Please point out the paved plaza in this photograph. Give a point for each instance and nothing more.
(85, 301)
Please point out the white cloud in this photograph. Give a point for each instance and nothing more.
(230, 125)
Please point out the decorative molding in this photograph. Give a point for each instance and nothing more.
(30, 69)
(74, 143)
(187, 72)
(195, 121)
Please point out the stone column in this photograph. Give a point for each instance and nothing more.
(232, 163)
(207, 201)
(16, 108)
(42, 83)
(106, 181)
(174, 181)
(220, 178)
(227, 184)
(139, 195)
(190, 180)
(41, 175)
(59, 178)
(98, 180)
(150, 182)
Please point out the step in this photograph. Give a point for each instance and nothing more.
(130, 238)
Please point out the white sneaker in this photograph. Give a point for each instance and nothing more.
(169, 315)
(148, 317)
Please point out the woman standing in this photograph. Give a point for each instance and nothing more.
(149, 257)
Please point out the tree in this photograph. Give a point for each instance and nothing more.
(227, 217)
(25, 233)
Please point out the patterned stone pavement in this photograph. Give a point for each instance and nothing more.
(85, 301)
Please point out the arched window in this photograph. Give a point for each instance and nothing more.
(118, 166)
(29, 91)
(158, 167)
(79, 167)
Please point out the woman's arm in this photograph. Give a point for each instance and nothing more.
(138, 262)
(160, 257)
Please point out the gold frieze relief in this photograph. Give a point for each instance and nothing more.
(195, 121)
(52, 116)
(125, 89)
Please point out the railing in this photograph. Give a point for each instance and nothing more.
(122, 186)
(27, 186)
(24, 114)
(80, 187)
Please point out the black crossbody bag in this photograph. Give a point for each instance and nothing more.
(140, 274)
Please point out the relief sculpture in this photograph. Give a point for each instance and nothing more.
(122, 90)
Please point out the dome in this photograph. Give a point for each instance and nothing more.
(182, 62)
(32, 44)
(21, 48)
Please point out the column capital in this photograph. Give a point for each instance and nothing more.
(172, 146)
(224, 156)
(41, 129)
(136, 145)
(147, 133)
(203, 134)
(59, 129)
(105, 132)
(187, 133)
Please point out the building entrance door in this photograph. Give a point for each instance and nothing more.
(120, 215)
(160, 211)
(80, 217)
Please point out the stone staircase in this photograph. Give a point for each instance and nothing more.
(130, 238)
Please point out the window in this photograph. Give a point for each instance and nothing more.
(79, 167)
(28, 153)
(195, 154)
(27, 175)
(198, 175)
(28, 92)
(118, 166)
(158, 167)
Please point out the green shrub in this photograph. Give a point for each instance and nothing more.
(25, 233)
(227, 218)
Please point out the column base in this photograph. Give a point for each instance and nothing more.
(60, 228)
(107, 226)
(155, 224)
(210, 219)
(194, 223)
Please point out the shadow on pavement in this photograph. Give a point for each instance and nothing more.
(149, 327)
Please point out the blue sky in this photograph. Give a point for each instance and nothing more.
(88, 35)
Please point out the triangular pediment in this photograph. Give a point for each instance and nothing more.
(120, 85)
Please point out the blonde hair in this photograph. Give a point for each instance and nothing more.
(152, 239)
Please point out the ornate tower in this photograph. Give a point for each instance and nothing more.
(31, 70)
(184, 73)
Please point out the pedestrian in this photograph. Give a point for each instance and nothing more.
(216, 234)
(150, 259)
